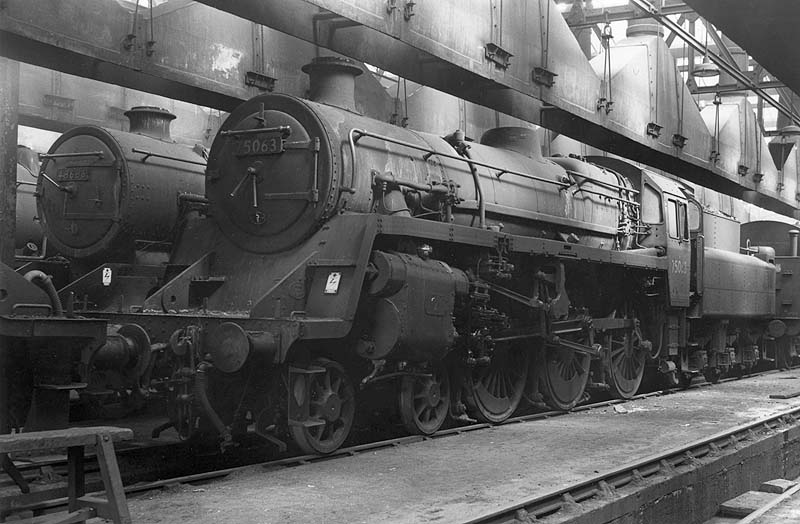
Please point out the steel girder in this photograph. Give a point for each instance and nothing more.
(767, 29)
(460, 47)
(189, 52)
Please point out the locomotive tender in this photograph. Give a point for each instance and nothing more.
(333, 252)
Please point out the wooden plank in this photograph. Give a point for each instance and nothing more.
(14, 473)
(785, 395)
(116, 508)
(73, 517)
(76, 474)
(745, 503)
(61, 438)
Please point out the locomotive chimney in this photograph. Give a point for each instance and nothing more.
(519, 139)
(793, 235)
(333, 81)
(150, 121)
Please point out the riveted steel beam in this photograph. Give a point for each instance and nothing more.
(181, 50)
(590, 17)
(453, 46)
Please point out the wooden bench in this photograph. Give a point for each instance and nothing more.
(114, 507)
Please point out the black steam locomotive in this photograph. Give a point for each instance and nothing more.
(333, 252)
(114, 196)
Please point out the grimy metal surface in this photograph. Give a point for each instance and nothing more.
(468, 57)
(189, 52)
(519, 59)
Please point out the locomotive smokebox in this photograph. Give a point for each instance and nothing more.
(106, 189)
(333, 81)
(150, 121)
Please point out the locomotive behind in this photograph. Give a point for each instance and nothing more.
(105, 195)
(333, 252)
(113, 196)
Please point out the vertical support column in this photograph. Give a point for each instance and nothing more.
(9, 108)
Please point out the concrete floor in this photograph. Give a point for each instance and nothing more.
(457, 478)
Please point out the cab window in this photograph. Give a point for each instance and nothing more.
(651, 206)
(695, 216)
(677, 224)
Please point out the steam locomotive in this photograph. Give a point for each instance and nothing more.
(332, 252)
(116, 196)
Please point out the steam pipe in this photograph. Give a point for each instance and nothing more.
(201, 394)
(45, 282)
(793, 237)
(389, 178)
(478, 189)
(357, 134)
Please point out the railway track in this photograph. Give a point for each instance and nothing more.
(666, 463)
(535, 508)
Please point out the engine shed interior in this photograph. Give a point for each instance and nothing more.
(291, 224)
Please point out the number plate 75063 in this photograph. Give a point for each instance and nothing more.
(260, 144)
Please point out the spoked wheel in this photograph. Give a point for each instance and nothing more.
(712, 374)
(625, 365)
(564, 376)
(425, 401)
(493, 392)
(331, 410)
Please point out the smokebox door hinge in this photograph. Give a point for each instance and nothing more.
(498, 55)
(543, 77)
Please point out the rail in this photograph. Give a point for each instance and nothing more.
(588, 488)
(661, 463)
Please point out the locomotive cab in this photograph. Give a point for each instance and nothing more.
(667, 223)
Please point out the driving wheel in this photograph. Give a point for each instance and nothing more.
(331, 410)
(493, 391)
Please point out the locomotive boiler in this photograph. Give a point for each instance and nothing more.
(333, 252)
(110, 195)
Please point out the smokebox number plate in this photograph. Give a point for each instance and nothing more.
(73, 174)
(260, 144)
